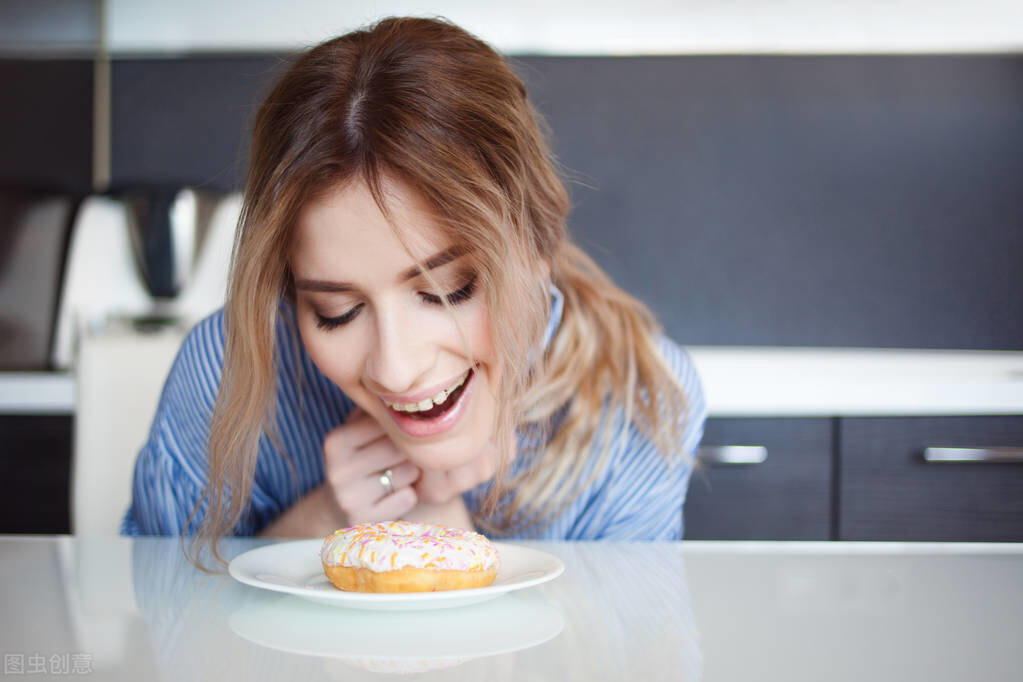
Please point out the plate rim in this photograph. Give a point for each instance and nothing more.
(341, 598)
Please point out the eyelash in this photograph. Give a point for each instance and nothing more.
(329, 323)
(454, 298)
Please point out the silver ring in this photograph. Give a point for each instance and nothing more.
(385, 480)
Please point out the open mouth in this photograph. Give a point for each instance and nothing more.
(439, 409)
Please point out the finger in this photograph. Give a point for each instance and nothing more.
(434, 487)
(404, 475)
(433, 479)
(358, 496)
(372, 489)
(367, 461)
(359, 430)
(394, 506)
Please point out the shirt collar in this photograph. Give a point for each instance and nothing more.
(557, 307)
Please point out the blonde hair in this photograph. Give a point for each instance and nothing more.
(423, 102)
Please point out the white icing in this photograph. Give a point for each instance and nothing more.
(394, 545)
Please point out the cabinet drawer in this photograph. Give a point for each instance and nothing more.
(785, 497)
(35, 468)
(891, 492)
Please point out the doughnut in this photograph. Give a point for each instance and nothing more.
(400, 556)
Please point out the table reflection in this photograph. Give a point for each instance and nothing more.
(618, 612)
(628, 614)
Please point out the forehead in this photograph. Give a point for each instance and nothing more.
(343, 234)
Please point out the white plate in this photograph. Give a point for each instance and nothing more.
(295, 568)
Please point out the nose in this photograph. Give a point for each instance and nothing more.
(401, 353)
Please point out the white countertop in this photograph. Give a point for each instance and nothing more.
(756, 381)
(122, 608)
(589, 27)
(747, 381)
(37, 393)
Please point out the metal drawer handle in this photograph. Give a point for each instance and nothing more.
(993, 455)
(716, 455)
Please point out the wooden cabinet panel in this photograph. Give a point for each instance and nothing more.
(35, 469)
(889, 492)
(787, 497)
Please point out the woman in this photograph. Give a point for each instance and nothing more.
(409, 333)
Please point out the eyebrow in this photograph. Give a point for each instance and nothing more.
(431, 263)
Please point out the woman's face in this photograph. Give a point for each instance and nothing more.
(373, 324)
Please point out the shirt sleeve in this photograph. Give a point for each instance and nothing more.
(172, 467)
(643, 492)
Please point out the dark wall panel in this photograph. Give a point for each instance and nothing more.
(863, 201)
(46, 124)
(185, 120)
(817, 200)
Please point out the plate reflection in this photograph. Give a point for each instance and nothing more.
(398, 642)
(620, 611)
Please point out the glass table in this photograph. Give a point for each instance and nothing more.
(129, 609)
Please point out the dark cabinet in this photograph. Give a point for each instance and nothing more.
(889, 491)
(787, 496)
(35, 468)
(820, 479)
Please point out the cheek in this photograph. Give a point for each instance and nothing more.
(481, 338)
(338, 360)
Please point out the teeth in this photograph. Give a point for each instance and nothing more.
(424, 405)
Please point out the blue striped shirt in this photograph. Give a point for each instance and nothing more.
(639, 495)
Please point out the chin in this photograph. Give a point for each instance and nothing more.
(443, 455)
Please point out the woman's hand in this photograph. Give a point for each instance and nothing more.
(439, 487)
(355, 454)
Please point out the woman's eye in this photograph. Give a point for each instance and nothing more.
(328, 323)
(455, 297)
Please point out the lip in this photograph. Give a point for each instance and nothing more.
(417, 428)
(425, 393)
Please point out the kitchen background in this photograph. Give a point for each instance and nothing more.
(823, 200)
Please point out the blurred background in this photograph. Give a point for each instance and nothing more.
(822, 200)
